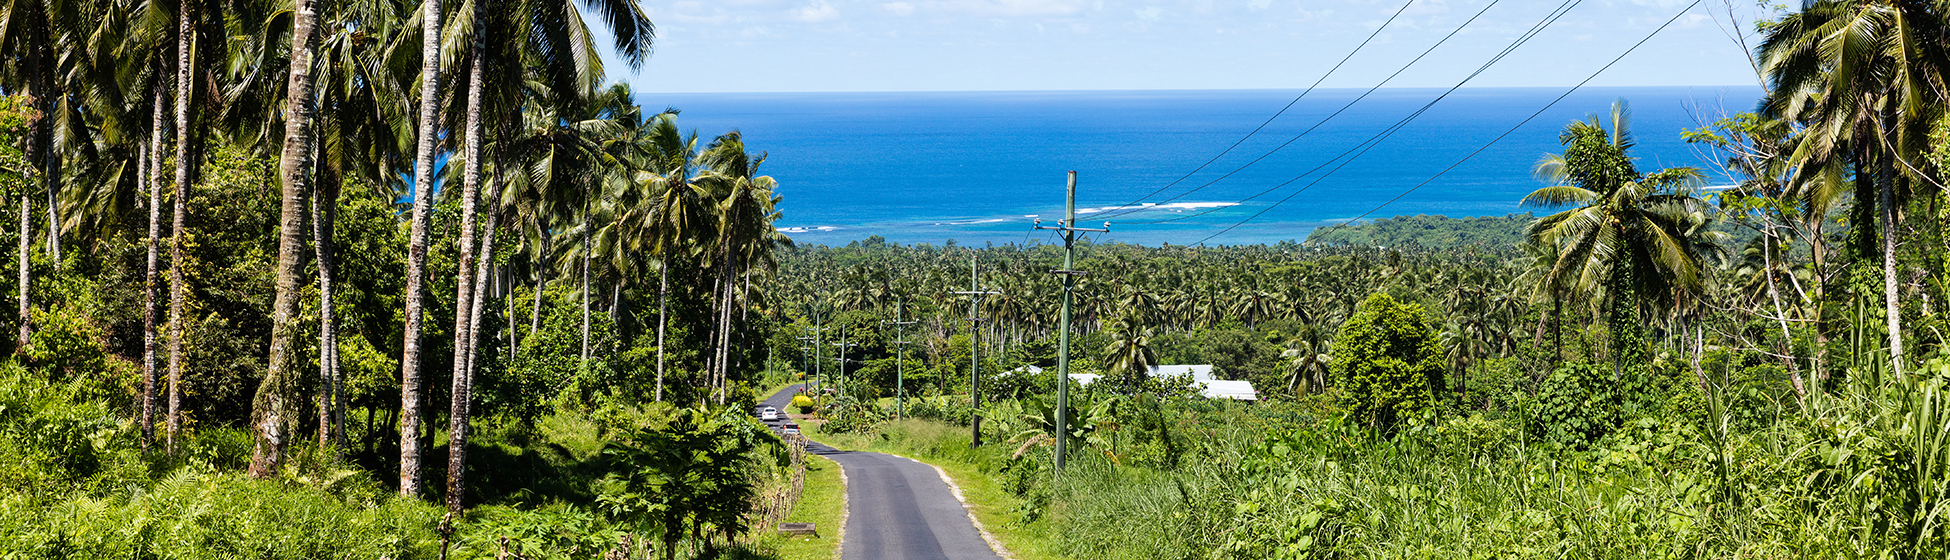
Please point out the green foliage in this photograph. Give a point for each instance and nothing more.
(1576, 405)
(693, 475)
(1389, 362)
(847, 415)
(1423, 230)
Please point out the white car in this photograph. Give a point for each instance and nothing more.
(769, 414)
(791, 429)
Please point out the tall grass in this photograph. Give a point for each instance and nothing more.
(1860, 472)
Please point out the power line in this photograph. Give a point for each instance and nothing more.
(1323, 121)
(1513, 129)
(1282, 111)
(1364, 146)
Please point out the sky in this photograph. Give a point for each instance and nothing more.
(977, 45)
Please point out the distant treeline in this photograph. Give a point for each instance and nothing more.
(1428, 231)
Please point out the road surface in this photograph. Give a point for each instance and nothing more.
(897, 509)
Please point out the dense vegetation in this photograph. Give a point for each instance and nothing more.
(572, 333)
(1435, 232)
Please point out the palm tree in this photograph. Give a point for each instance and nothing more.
(271, 414)
(1306, 360)
(1130, 352)
(1636, 236)
(746, 209)
(1866, 77)
(416, 248)
(198, 27)
(28, 38)
(672, 215)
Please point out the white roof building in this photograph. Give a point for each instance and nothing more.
(1198, 373)
(1030, 369)
(1194, 375)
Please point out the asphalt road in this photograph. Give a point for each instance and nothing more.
(897, 509)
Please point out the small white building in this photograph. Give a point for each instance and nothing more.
(1193, 375)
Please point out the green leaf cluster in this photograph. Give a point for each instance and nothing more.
(1389, 361)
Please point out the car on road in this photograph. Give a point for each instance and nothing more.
(790, 428)
(769, 414)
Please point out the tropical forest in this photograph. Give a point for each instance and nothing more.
(420, 279)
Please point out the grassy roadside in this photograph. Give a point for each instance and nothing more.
(975, 471)
(822, 503)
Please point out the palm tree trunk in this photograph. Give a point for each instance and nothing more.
(1893, 311)
(151, 171)
(324, 211)
(663, 319)
(1774, 292)
(481, 272)
(26, 264)
(31, 174)
(270, 415)
(460, 410)
(541, 281)
(416, 251)
(185, 138)
(585, 288)
(724, 326)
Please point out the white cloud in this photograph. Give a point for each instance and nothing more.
(815, 13)
(1151, 13)
(1257, 5)
(1009, 8)
(898, 8)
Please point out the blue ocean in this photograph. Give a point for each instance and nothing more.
(980, 167)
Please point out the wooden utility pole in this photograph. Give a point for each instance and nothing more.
(841, 360)
(975, 293)
(804, 352)
(900, 359)
(1067, 226)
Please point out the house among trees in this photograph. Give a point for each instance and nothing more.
(1192, 375)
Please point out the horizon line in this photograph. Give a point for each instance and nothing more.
(1162, 90)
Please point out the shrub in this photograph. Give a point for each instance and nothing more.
(1575, 406)
(1389, 359)
(803, 403)
(694, 475)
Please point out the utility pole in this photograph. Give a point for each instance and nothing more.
(1067, 226)
(843, 344)
(819, 354)
(975, 293)
(804, 352)
(900, 359)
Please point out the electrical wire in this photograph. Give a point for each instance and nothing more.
(1350, 104)
(1282, 111)
(1364, 146)
(1493, 141)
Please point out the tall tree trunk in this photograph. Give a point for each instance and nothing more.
(32, 171)
(185, 139)
(1894, 312)
(585, 287)
(324, 211)
(541, 282)
(663, 319)
(270, 409)
(416, 251)
(1780, 316)
(481, 272)
(26, 265)
(724, 328)
(458, 418)
(151, 176)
